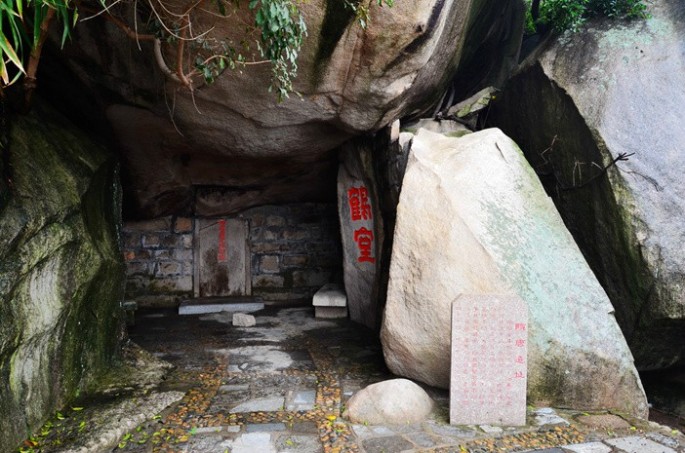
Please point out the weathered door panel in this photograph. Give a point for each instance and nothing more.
(221, 258)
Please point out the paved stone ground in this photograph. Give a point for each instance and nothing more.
(281, 385)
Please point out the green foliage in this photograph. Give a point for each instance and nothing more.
(564, 15)
(282, 30)
(20, 31)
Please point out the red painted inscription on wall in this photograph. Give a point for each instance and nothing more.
(221, 251)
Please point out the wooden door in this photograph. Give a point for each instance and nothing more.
(222, 265)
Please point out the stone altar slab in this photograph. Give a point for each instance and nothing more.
(206, 305)
(489, 360)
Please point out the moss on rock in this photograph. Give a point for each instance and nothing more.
(61, 271)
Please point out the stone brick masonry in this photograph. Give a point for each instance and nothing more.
(295, 249)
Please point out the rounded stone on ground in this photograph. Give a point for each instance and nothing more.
(243, 320)
(393, 402)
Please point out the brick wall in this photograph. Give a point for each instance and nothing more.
(159, 258)
(295, 249)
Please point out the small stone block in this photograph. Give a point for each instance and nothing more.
(243, 320)
(489, 360)
(330, 295)
(330, 312)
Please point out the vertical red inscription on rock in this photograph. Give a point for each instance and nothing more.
(221, 250)
(364, 239)
(360, 210)
(358, 198)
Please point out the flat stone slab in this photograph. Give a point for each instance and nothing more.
(548, 416)
(489, 360)
(217, 305)
(390, 443)
(636, 444)
(264, 427)
(303, 400)
(330, 295)
(251, 443)
(268, 404)
(299, 444)
(589, 447)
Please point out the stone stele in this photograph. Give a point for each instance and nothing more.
(489, 360)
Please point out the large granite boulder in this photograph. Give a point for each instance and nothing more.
(61, 271)
(230, 144)
(474, 219)
(613, 90)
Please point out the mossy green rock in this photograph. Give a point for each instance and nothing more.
(61, 271)
(615, 89)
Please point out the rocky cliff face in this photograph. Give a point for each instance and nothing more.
(60, 269)
(609, 93)
(232, 138)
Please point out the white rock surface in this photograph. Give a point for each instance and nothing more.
(473, 218)
(393, 402)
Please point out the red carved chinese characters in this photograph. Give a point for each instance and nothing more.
(519, 342)
(360, 209)
(364, 239)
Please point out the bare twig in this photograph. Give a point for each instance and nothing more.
(577, 168)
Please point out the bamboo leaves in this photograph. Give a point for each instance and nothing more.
(23, 25)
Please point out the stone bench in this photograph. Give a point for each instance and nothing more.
(330, 302)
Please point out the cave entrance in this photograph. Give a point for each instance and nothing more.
(222, 267)
(282, 254)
